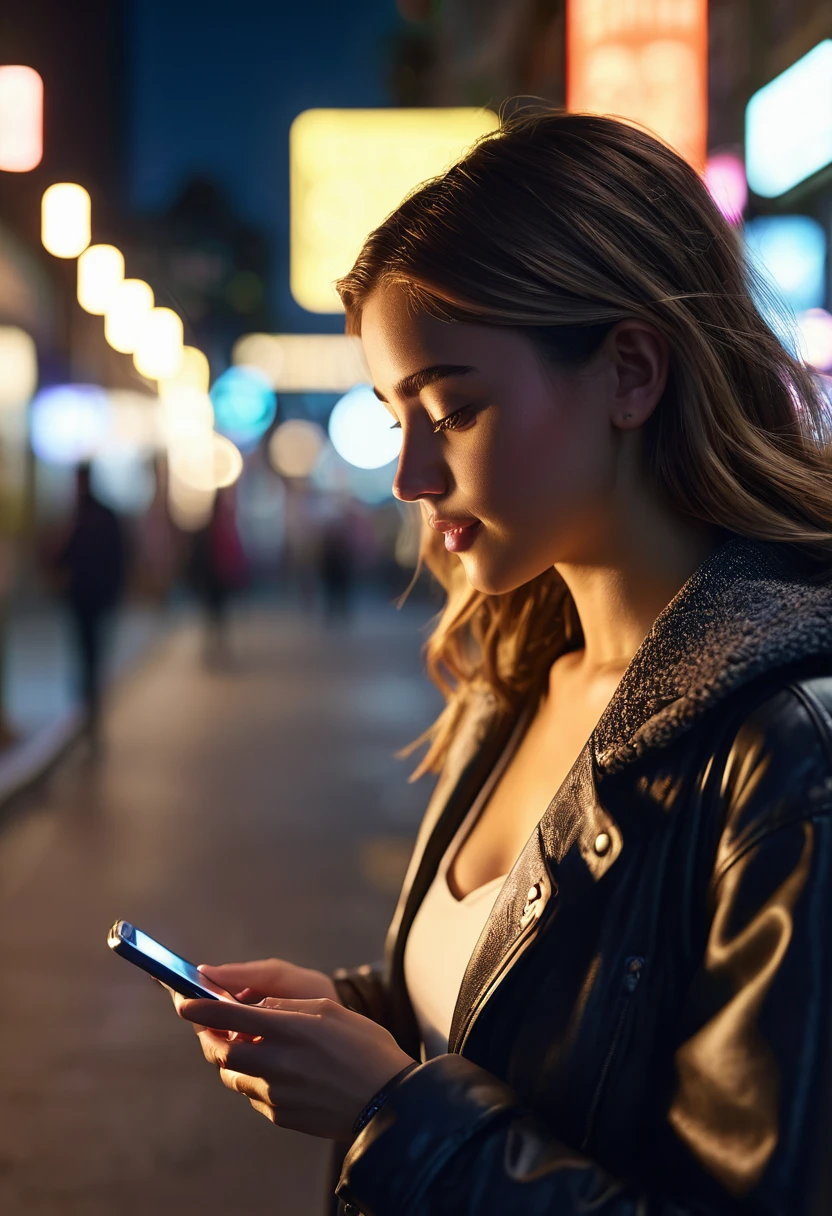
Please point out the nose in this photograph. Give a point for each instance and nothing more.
(419, 473)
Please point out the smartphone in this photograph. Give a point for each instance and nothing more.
(161, 963)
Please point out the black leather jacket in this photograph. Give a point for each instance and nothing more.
(645, 1025)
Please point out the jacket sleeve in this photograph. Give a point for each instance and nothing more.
(364, 990)
(748, 1127)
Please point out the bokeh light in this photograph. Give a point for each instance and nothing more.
(21, 118)
(361, 430)
(135, 426)
(185, 415)
(304, 363)
(791, 251)
(158, 353)
(130, 303)
(210, 463)
(66, 217)
(244, 405)
(727, 185)
(815, 326)
(18, 367)
(68, 423)
(124, 480)
(100, 273)
(788, 125)
(334, 475)
(189, 509)
(193, 372)
(295, 447)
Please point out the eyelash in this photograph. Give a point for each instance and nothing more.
(448, 423)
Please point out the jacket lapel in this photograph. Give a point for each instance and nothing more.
(745, 612)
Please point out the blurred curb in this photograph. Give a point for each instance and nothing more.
(25, 763)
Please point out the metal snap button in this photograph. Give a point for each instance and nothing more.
(534, 905)
(602, 844)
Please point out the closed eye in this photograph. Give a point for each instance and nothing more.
(454, 421)
(451, 422)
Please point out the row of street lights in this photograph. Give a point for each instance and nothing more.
(200, 461)
(133, 324)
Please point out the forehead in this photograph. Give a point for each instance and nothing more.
(398, 341)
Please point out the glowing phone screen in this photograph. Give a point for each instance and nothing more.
(153, 949)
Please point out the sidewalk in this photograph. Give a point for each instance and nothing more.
(40, 700)
(247, 810)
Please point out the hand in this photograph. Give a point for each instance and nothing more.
(314, 1064)
(271, 977)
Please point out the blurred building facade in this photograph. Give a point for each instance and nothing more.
(197, 251)
(484, 52)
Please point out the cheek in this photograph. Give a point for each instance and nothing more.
(543, 461)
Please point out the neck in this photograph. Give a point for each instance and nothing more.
(621, 589)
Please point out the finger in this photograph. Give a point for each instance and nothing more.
(260, 975)
(247, 996)
(248, 1058)
(248, 1087)
(178, 1001)
(263, 1108)
(281, 1018)
(214, 1046)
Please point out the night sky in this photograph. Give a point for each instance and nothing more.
(214, 86)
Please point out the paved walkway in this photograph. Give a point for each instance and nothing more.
(235, 814)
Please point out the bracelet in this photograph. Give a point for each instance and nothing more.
(378, 1099)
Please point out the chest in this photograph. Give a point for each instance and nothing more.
(527, 784)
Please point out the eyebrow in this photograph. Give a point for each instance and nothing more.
(413, 384)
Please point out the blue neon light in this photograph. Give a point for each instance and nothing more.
(244, 405)
(788, 125)
(790, 251)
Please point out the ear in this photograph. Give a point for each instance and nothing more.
(640, 358)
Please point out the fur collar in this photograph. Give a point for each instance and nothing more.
(746, 611)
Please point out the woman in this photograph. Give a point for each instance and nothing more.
(608, 983)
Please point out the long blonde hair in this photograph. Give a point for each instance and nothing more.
(559, 225)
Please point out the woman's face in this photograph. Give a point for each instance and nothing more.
(514, 460)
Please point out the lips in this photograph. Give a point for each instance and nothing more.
(459, 533)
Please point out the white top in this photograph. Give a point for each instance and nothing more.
(440, 944)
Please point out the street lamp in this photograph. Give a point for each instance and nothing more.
(100, 273)
(65, 219)
(158, 352)
(129, 304)
(193, 372)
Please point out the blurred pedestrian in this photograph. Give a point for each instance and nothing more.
(218, 569)
(91, 566)
(337, 564)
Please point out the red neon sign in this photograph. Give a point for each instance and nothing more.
(646, 61)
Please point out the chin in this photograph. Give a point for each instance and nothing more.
(493, 580)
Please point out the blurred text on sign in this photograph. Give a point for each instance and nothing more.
(647, 61)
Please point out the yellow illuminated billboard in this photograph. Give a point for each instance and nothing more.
(351, 168)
